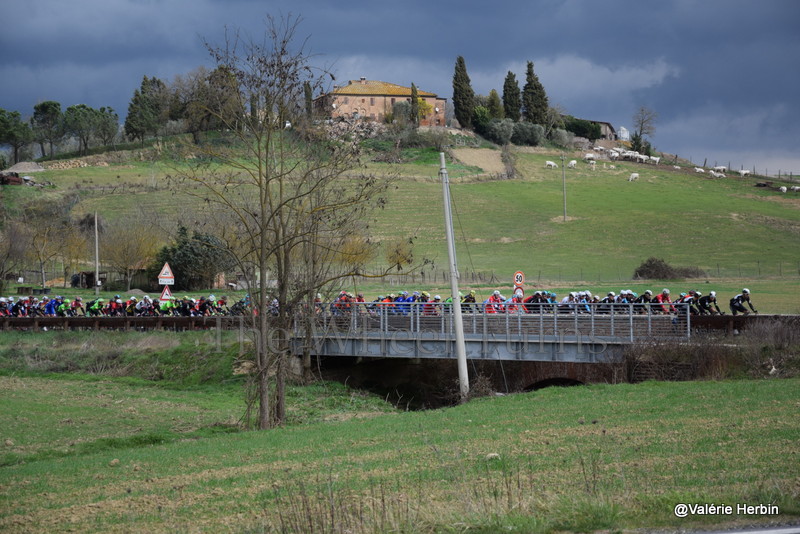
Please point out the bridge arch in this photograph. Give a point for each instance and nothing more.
(554, 382)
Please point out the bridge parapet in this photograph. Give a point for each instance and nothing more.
(422, 330)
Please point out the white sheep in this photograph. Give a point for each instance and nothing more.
(795, 188)
(720, 168)
(716, 174)
(612, 166)
(550, 164)
(572, 163)
(782, 189)
(613, 154)
(655, 159)
(676, 167)
(698, 169)
(744, 172)
(592, 164)
(588, 156)
(633, 176)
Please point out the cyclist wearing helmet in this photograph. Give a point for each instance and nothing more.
(52, 306)
(469, 300)
(663, 299)
(77, 305)
(64, 309)
(707, 305)
(737, 303)
(95, 307)
(642, 301)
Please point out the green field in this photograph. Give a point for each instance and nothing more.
(740, 235)
(148, 437)
(103, 455)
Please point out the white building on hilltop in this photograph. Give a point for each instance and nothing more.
(624, 134)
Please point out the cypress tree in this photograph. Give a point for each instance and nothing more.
(309, 97)
(512, 101)
(463, 95)
(414, 112)
(494, 105)
(534, 99)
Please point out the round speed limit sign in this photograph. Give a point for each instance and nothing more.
(519, 278)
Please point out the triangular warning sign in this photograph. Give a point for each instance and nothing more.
(166, 272)
(166, 294)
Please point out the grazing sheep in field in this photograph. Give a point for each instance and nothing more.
(612, 166)
(592, 164)
(782, 189)
(676, 167)
(588, 156)
(633, 176)
(550, 165)
(716, 174)
(795, 188)
(698, 169)
(613, 154)
(572, 163)
(744, 172)
(655, 159)
(720, 168)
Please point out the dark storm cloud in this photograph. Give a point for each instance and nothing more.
(721, 73)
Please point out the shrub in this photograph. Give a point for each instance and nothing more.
(562, 137)
(499, 131)
(527, 133)
(657, 269)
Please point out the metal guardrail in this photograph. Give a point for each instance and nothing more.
(614, 323)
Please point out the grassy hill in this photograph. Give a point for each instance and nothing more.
(737, 233)
(114, 456)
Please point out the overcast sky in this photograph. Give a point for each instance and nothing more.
(722, 75)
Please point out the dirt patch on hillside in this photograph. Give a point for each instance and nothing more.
(26, 166)
(487, 159)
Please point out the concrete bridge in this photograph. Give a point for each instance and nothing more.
(569, 333)
(407, 352)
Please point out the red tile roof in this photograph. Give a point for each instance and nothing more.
(376, 88)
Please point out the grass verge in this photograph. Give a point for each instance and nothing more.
(574, 459)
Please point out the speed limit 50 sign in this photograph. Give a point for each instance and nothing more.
(519, 278)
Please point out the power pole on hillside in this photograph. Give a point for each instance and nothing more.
(564, 184)
(96, 259)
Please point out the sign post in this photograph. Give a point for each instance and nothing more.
(166, 294)
(519, 279)
(166, 278)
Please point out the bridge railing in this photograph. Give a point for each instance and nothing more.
(620, 323)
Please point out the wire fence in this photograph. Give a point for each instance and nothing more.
(781, 270)
(754, 270)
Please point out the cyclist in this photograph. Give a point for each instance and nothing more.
(664, 300)
(707, 305)
(738, 302)
(94, 308)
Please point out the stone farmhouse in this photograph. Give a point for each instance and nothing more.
(607, 131)
(372, 100)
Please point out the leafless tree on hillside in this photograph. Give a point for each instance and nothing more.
(293, 214)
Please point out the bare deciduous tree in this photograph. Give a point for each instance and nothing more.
(129, 245)
(644, 121)
(294, 211)
(13, 241)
